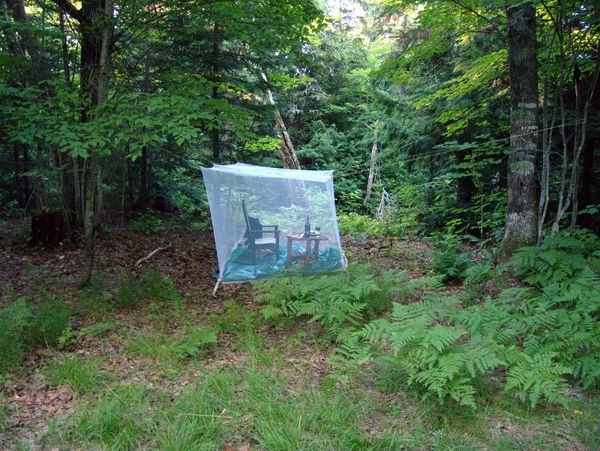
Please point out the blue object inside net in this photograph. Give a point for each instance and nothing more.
(242, 266)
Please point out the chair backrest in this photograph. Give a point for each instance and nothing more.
(246, 218)
(253, 225)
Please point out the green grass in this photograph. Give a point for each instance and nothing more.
(239, 407)
(3, 415)
(80, 374)
(194, 343)
(263, 402)
(121, 418)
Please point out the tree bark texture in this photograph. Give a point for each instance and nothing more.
(521, 216)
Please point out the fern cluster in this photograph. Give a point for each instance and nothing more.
(448, 261)
(535, 339)
(341, 302)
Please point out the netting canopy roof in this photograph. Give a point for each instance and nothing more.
(270, 222)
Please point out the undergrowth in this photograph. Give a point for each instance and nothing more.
(194, 343)
(224, 409)
(537, 339)
(340, 302)
(150, 286)
(26, 324)
(81, 375)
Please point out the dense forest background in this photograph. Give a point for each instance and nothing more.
(108, 108)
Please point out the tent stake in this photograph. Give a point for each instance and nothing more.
(214, 293)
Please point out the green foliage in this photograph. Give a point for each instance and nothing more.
(561, 307)
(95, 300)
(341, 302)
(50, 319)
(81, 375)
(559, 259)
(15, 320)
(23, 327)
(151, 346)
(232, 319)
(150, 286)
(196, 343)
(538, 376)
(148, 223)
(119, 420)
(3, 415)
(436, 356)
(544, 334)
(448, 261)
(478, 274)
(360, 226)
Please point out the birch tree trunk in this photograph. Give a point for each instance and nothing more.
(548, 126)
(371, 168)
(521, 215)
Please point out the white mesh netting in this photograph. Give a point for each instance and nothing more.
(259, 218)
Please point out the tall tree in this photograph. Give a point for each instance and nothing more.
(521, 214)
(95, 27)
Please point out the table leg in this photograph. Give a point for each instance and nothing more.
(288, 260)
(307, 255)
(316, 253)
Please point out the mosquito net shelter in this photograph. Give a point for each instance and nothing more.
(270, 222)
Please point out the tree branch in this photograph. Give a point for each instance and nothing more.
(70, 9)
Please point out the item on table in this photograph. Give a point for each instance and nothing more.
(307, 227)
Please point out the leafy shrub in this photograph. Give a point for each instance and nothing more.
(148, 223)
(49, 321)
(360, 226)
(14, 323)
(544, 334)
(151, 286)
(341, 302)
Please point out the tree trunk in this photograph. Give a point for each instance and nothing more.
(215, 133)
(521, 215)
(95, 20)
(371, 168)
(465, 187)
(548, 127)
(287, 153)
(64, 48)
(143, 200)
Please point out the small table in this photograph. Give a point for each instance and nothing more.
(310, 251)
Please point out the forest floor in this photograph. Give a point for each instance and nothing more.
(124, 378)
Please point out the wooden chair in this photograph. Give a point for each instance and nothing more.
(255, 235)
